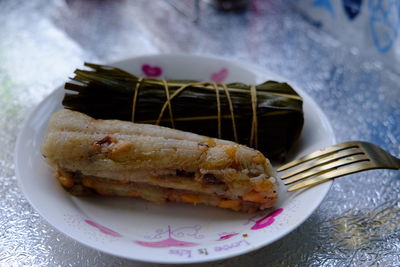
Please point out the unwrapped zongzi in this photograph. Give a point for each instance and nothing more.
(119, 158)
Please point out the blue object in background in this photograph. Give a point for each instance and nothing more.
(325, 4)
(384, 23)
(370, 26)
(352, 8)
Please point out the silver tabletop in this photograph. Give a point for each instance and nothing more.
(42, 42)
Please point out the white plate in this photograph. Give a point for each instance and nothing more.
(175, 232)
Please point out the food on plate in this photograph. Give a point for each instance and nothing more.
(268, 116)
(159, 164)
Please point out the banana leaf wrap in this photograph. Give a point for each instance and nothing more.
(105, 92)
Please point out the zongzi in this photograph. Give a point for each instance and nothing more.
(268, 117)
(119, 158)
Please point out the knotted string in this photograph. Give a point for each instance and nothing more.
(218, 109)
(253, 93)
(138, 83)
(178, 91)
(254, 124)
(228, 96)
(169, 102)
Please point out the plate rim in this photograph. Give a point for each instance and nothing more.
(245, 65)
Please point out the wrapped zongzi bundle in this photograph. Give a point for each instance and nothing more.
(119, 158)
(268, 116)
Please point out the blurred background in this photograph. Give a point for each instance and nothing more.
(344, 53)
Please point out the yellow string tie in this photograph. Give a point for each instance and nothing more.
(253, 93)
(254, 125)
(228, 96)
(218, 109)
(169, 103)
(138, 83)
(177, 92)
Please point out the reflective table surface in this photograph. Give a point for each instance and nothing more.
(42, 42)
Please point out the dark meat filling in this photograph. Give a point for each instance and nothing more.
(183, 173)
(209, 178)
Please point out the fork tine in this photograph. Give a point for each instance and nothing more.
(327, 167)
(324, 160)
(318, 153)
(357, 167)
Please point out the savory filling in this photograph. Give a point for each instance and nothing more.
(78, 184)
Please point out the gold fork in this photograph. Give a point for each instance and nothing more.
(335, 161)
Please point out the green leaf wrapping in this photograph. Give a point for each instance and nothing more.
(105, 92)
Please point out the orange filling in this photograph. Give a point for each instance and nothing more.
(190, 198)
(66, 181)
(254, 196)
(229, 204)
(98, 186)
(263, 186)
